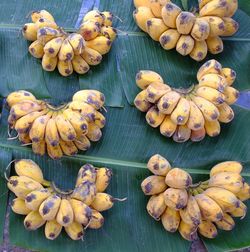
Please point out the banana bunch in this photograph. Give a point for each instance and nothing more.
(70, 52)
(195, 208)
(59, 130)
(191, 113)
(42, 203)
(192, 34)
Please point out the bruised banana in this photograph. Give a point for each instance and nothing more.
(178, 178)
(153, 185)
(103, 177)
(52, 229)
(86, 173)
(33, 221)
(170, 220)
(96, 221)
(65, 214)
(156, 206)
(176, 198)
(158, 165)
(18, 206)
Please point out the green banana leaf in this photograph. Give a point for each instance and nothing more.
(128, 142)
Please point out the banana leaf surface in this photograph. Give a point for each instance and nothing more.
(128, 142)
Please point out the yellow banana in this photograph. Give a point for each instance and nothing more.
(90, 30)
(24, 138)
(82, 143)
(43, 22)
(226, 113)
(168, 102)
(239, 211)
(180, 114)
(21, 186)
(82, 212)
(156, 206)
(103, 177)
(108, 18)
(33, 221)
(182, 134)
(35, 198)
(85, 192)
(155, 27)
(51, 132)
(213, 80)
(94, 132)
(19, 96)
(231, 95)
(198, 135)
(169, 39)
(214, 8)
(231, 8)
(178, 178)
(68, 148)
(46, 34)
(39, 148)
(209, 67)
(214, 45)
(36, 49)
(155, 91)
(200, 30)
(55, 152)
(141, 15)
(49, 64)
(77, 43)
(65, 215)
(18, 206)
(230, 75)
(158, 165)
(157, 5)
(199, 51)
(49, 207)
(153, 185)
(92, 57)
(169, 14)
(109, 32)
(138, 3)
(196, 119)
(65, 68)
(145, 77)
(101, 44)
(211, 94)
(244, 193)
(176, 198)
(84, 108)
(66, 52)
(227, 166)
(94, 15)
(212, 128)
(231, 26)
(52, 48)
(154, 117)
(185, 45)
(188, 232)
(207, 229)
(217, 25)
(168, 127)
(29, 31)
(35, 15)
(80, 65)
(100, 120)
(86, 173)
(75, 231)
(210, 210)
(227, 223)
(170, 219)
(184, 22)
(52, 229)
(203, 3)
(97, 220)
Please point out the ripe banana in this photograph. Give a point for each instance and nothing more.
(227, 166)
(19, 96)
(108, 18)
(65, 215)
(227, 223)
(207, 229)
(82, 143)
(188, 232)
(157, 5)
(94, 132)
(214, 81)
(97, 220)
(217, 25)
(68, 148)
(33, 221)
(198, 135)
(154, 117)
(35, 15)
(169, 14)
(86, 173)
(65, 68)
(185, 45)
(168, 102)
(145, 77)
(155, 27)
(200, 30)
(49, 64)
(94, 15)
(230, 75)
(231, 95)
(169, 39)
(141, 15)
(231, 26)
(214, 45)
(184, 22)
(36, 49)
(199, 51)
(138, 3)
(156, 206)
(103, 177)
(239, 211)
(158, 165)
(46, 34)
(66, 52)
(214, 8)
(77, 43)
(100, 120)
(170, 220)
(91, 56)
(212, 128)
(226, 113)
(84, 108)
(244, 193)
(51, 133)
(153, 185)
(75, 231)
(35, 198)
(18, 206)
(155, 91)
(39, 148)
(178, 178)
(182, 134)
(210, 67)
(52, 229)
(52, 48)
(180, 114)
(168, 127)
(211, 94)
(109, 32)
(176, 198)
(90, 30)
(43, 22)
(29, 31)
(101, 44)
(55, 152)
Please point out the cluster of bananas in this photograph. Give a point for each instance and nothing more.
(191, 113)
(70, 52)
(60, 130)
(189, 208)
(43, 203)
(191, 34)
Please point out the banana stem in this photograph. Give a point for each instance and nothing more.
(184, 91)
(7, 169)
(58, 108)
(195, 185)
(46, 183)
(59, 191)
(120, 200)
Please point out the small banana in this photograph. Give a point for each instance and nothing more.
(94, 132)
(169, 14)
(169, 39)
(138, 3)
(244, 193)
(182, 134)
(176, 198)
(65, 215)
(90, 30)
(91, 56)
(33, 221)
(96, 221)
(21, 186)
(227, 223)
(49, 207)
(158, 165)
(52, 229)
(209, 67)
(153, 185)
(211, 94)
(210, 210)
(101, 44)
(82, 212)
(168, 127)
(185, 22)
(154, 117)
(155, 91)
(24, 138)
(68, 147)
(157, 5)
(82, 143)
(35, 15)
(77, 43)
(141, 15)
(145, 77)
(39, 148)
(84, 108)
(66, 52)
(199, 51)
(155, 27)
(207, 229)
(46, 34)
(29, 31)
(198, 135)
(108, 18)
(18, 206)
(180, 114)
(200, 30)
(168, 102)
(213, 80)
(51, 132)
(103, 177)
(231, 26)
(231, 95)
(227, 166)
(170, 220)
(75, 231)
(86, 173)
(109, 32)
(178, 178)
(55, 152)
(230, 75)
(94, 15)
(217, 25)
(185, 45)
(212, 128)
(214, 8)
(239, 211)
(188, 232)
(203, 3)
(80, 66)
(156, 206)
(43, 22)
(65, 68)
(100, 120)
(231, 8)
(49, 64)
(18, 96)
(214, 45)
(35, 198)
(52, 48)
(36, 49)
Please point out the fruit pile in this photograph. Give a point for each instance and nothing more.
(59, 130)
(192, 34)
(70, 52)
(43, 203)
(188, 113)
(191, 208)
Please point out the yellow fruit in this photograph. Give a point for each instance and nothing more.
(155, 27)
(109, 32)
(214, 45)
(94, 15)
(55, 152)
(51, 133)
(168, 102)
(180, 114)
(227, 166)
(207, 229)
(94, 132)
(157, 5)
(90, 30)
(155, 91)
(213, 80)
(97, 220)
(18, 206)
(39, 147)
(80, 65)
(227, 223)
(169, 14)
(185, 45)
(75, 231)
(84, 108)
(86, 173)
(35, 15)
(198, 135)
(102, 202)
(52, 229)
(77, 43)
(52, 48)
(33, 221)
(138, 3)
(92, 57)
(108, 18)
(239, 211)
(231, 8)
(65, 215)
(156, 206)
(214, 8)
(29, 31)
(199, 51)
(154, 117)
(203, 2)
(210, 210)
(153, 185)
(158, 165)
(101, 44)
(49, 64)
(188, 232)
(43, 22)
(231, 26)
(176, 198)
(36, 49)
(49, 207)
(209, 67)
(230, 75)
(217, 26)
(65, 68)
(24, 138)
(68, 148)
(103, 177)
(178, 178)
(244, 193)
(200, 30)
(211, 94)
(168, 127)
(141, 15)
(35, 198)
(169, 39)
(141, 102)
(82, 143)
(196, 119)
(100, 119)
(170, 220)
(46, 34)
(66, 52)
(212, 128)
(184, 22)
(231, 95)
(19, 96)
(145, 77)
(182, 134)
